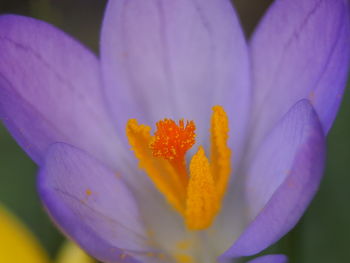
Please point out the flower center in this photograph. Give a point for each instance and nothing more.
(196, 193)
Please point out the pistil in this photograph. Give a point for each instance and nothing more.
(172, 141)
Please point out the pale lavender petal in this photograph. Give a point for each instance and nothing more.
(274, 159)
(300, 50)
(175, 59)
(270, 259)
(91, 205)
(50, 90)
(283, 179)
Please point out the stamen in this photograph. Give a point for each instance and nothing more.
(220, 155)
(202, 199)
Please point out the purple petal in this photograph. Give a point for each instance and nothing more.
(91, 205)
(301, 49)
(282, 180)
(175, 59)
(270, 259)
(50, 90)
(274, 160)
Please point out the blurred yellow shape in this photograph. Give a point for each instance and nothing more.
(71, 253)
(17, 244)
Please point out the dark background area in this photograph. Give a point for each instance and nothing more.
(323, 234)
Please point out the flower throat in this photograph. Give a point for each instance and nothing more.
(196, 193)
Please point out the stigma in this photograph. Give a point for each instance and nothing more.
(171, 140)
(196, 190)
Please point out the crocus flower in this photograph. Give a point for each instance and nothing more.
(181, 142)
(18, 244)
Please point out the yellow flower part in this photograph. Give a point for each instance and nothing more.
(196, 193)
(71, 253)
(18, 245)
(202, 197)
(220, 153)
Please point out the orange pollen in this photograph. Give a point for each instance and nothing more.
(171, 140)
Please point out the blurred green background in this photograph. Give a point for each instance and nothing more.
(323, 234)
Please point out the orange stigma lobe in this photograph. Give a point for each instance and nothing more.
(172, 141)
